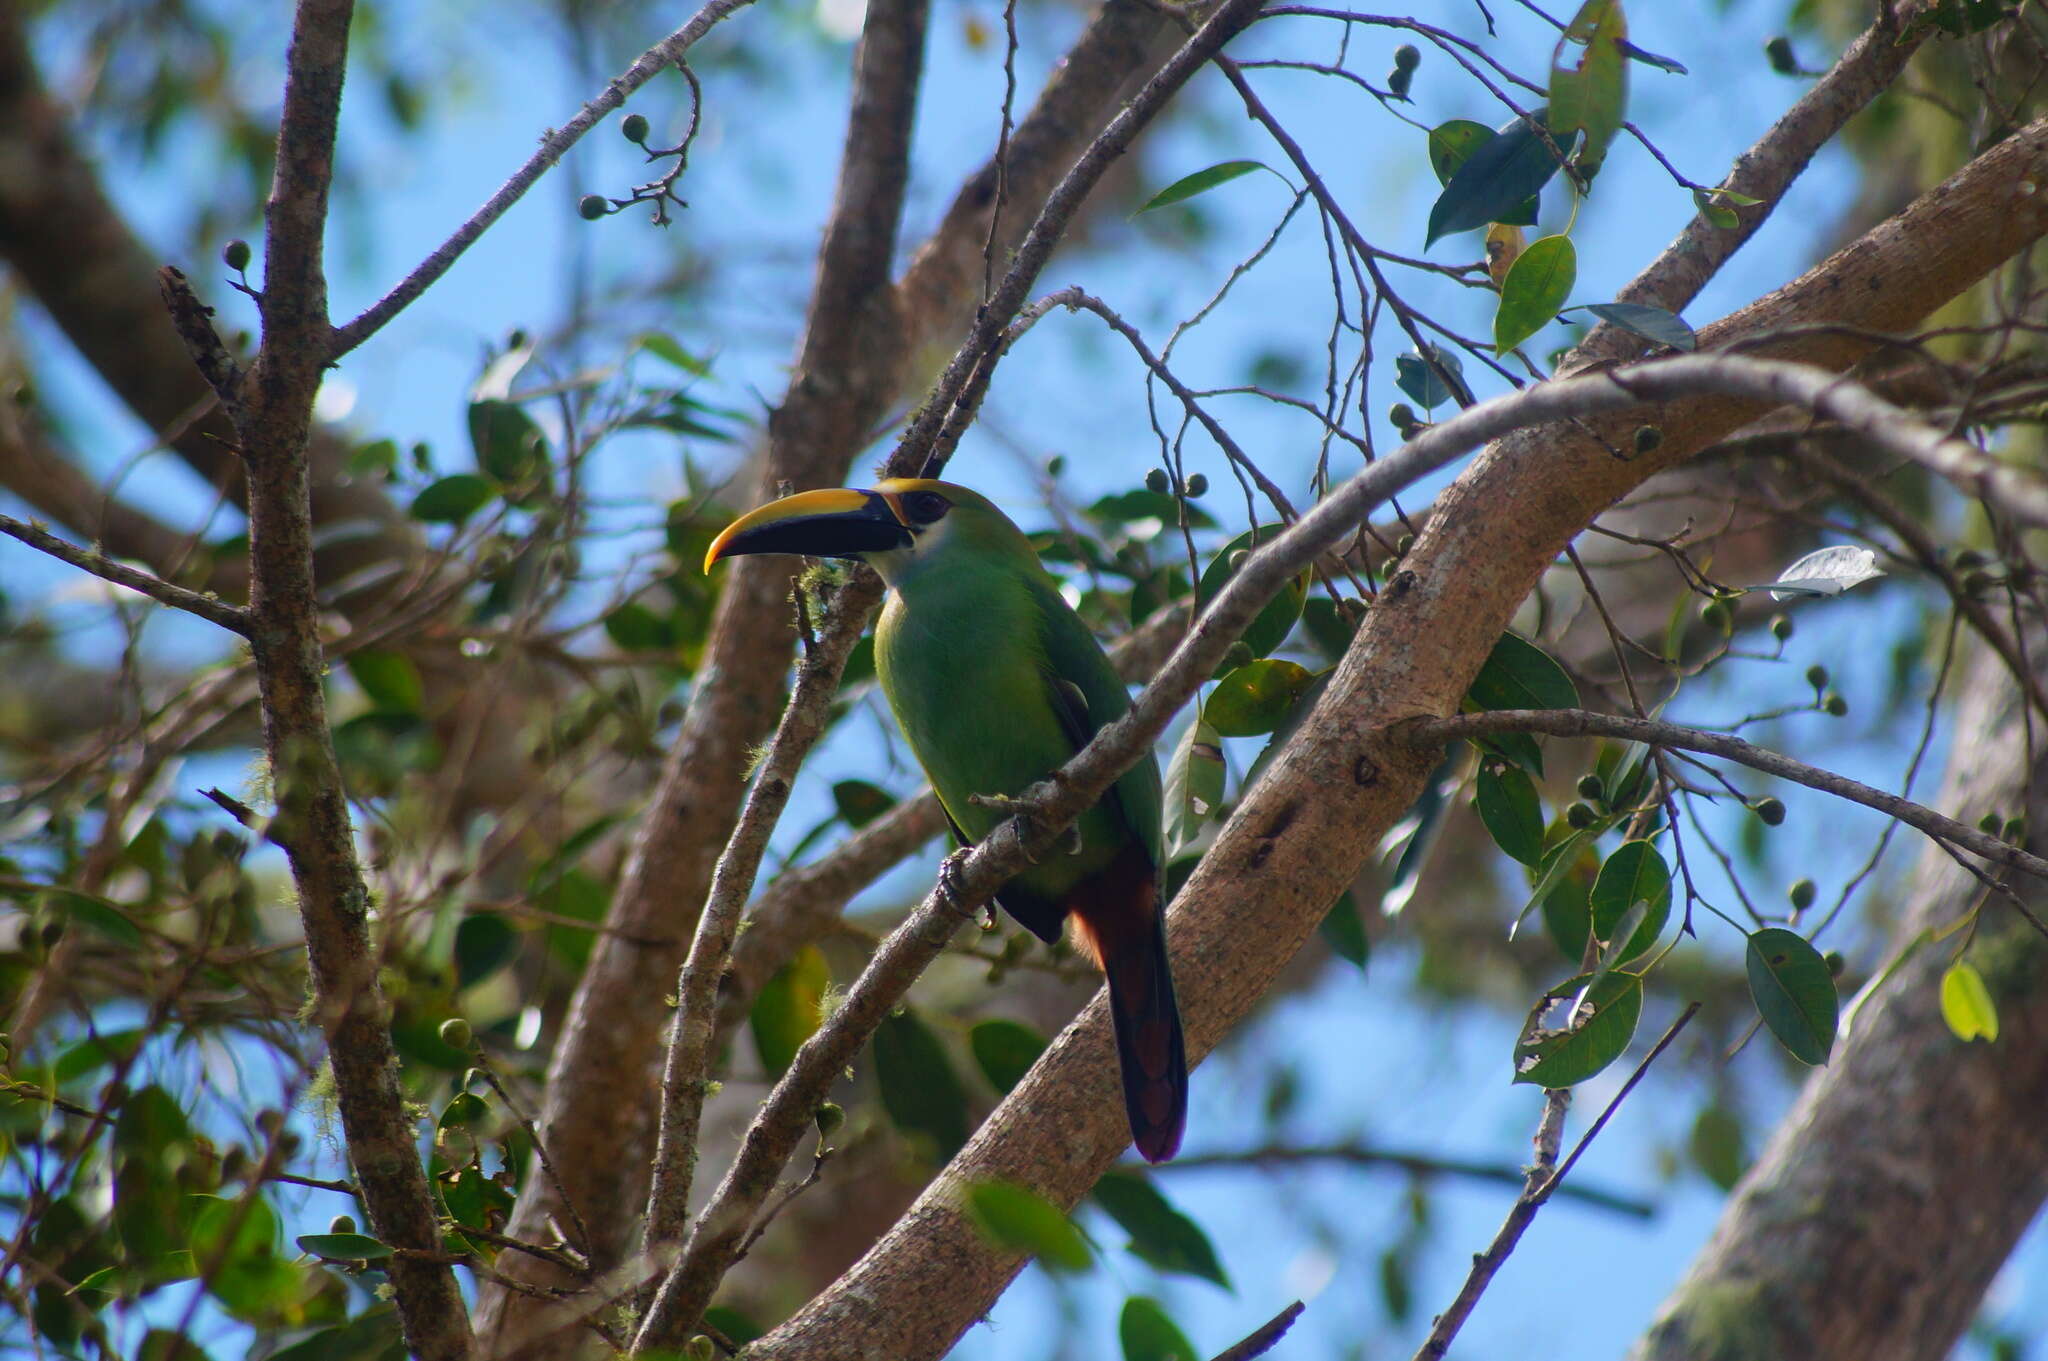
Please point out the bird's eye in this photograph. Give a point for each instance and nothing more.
(925, 507)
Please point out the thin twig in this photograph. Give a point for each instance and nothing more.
(1416, 1164)
(209, 607)
(1265, 1337)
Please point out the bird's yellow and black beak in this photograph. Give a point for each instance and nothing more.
(834, 522)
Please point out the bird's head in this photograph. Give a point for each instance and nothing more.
(898, 527)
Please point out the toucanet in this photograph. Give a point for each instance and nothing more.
(996, 682)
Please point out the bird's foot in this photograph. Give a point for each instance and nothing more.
(1025, 808)
(949, 879)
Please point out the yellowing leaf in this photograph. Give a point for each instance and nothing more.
(1966, 1003)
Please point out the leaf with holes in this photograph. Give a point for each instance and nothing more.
(1194, 785)
(1794, 993)
(1589, 80)
(1560, 1048)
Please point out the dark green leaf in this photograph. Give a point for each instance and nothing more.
(1005, 1050)
(390, 680)
(1343, 930)
(1254, 698)
(1018, 1220)
(1716, 1146)
(370, 1336)
(635, 628)
(1509, 808)
(163, 1344)
(1452, 144)
(1201, 182)
(1567, 913)
(484, 943)
(1125, 507)
(786, 1010)
(1495, 179)
(95, 914)
(1536, 287)
(1651, 323)
(1589, 86)
(151, 1124)
(737, 1327)
(1148, 1334)
(343, 1247)
(1160, 1234)
(508, 444)
(919, 1088)
(1794, 992)
(1430, 385)
(1194, 784)
(453, 499)
(1635, 873)
(1556, 1051)
(860, 802)
(1520, 675)
(94, 1052)
(1276, 620)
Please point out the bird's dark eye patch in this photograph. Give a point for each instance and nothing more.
(925, 507)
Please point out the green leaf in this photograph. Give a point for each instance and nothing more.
(1148, 1334)
(370, 1336)
(1201, 182)
(1018, 1220)
(788, 1009)
(95, 1052)
(1794, 992)
(1194, 785)
(390, 680)
(508, 444)
(1273, 623)
(1495, 179)
(1720, 214)
(343, 1247)
(1716, 1146)
(95, 914)
(1635, 873)
(1128, 507)
(453, 499)
(1520, 675)
(737, 1327)
(1651, 323)
(1509, 808)
(1005, 1050)
(859, 802)
(1423, 384)
(666, 349)
(1160, 1234)
(1536, 287)
(1589, 87)
(164, 1344)
(635, 628)
(1452, 144)
(1254, 698)
(920, 1091)
(484, 943)
(1343, 930)
(1966, 1003)
(1591, 1036)
(378, 459)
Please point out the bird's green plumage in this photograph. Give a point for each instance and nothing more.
(972, 644)
(996, 683)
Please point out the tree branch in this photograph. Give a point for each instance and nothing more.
(553, 147)
(208, 607)
(1433, 732)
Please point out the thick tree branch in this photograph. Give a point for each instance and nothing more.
(1271, 875)
(273, 430)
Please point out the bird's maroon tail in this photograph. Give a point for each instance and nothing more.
(1118, 921)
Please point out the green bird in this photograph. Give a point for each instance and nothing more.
(996, 682)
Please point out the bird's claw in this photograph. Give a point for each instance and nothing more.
(949, 879)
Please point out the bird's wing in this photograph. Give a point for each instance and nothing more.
(1086, 693)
